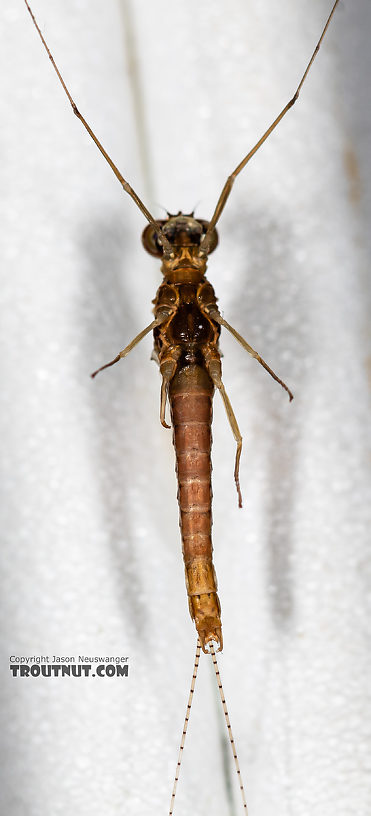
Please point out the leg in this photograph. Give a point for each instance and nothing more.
(164, 392)
(214, 314)
(214, 368)
(167, 370)
(126, 186)
(222, 200)
(133, 343)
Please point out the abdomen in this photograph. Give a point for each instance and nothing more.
(190, 393)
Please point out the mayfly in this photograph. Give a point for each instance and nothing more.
(186, 329)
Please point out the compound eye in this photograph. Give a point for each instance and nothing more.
(214, 235)
(150, 242)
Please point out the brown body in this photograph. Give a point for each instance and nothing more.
(186, 336)
(185, 343)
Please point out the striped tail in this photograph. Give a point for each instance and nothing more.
(190, 393)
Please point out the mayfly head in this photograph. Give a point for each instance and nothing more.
(185, 234)
(181, 230)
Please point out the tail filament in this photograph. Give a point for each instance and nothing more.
(185, 726)
(186, 720)
(229, 729)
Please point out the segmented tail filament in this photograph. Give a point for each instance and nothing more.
(227, 720)
(185, 726)
(229, 729)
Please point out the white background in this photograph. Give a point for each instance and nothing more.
(178, 92)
